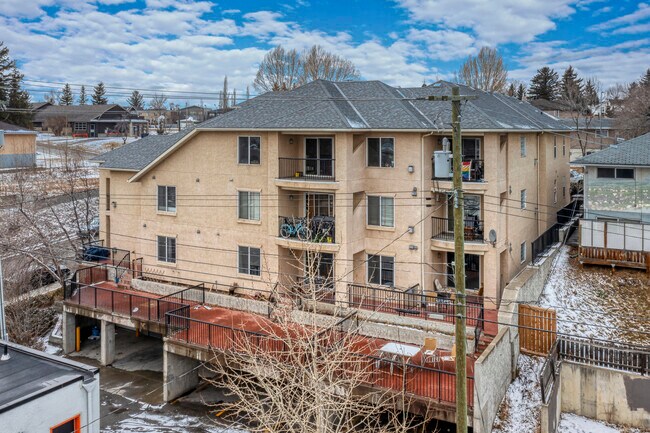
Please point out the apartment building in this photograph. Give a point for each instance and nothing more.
(343, 182)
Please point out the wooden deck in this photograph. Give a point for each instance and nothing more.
(613, 257)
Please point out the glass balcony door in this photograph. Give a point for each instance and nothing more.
(319, 153)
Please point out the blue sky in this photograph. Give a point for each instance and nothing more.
(181, 45)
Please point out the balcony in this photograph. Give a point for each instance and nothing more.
(443, 229)
(316, 234)
(442, 235)
(473, 177)
(307, 169)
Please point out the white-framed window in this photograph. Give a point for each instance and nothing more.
(522, 252)
(249, 150)
(166, 198)
(554, 147)
(381, 211)
(615, 173)
(80, 126)
(522, 145)
(381, 270)
(563, 146)
(523, 197)
(249, 205)
(166, 249)
(249, 261)
(381, 152)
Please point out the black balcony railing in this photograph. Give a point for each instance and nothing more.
(307, 169)
(443, 228)
(473, 171)
(316, 229)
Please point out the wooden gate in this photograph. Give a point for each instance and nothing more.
(537, 329)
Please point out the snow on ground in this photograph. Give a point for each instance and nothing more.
(596, 302)
(570, 423)
(520, 409)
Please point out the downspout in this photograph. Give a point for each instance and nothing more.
(538, 198)
(92, 418)
(422, 207)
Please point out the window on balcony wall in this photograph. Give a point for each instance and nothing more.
(381, 211)
(249, 205)
(471, 149)
(381, 270)
(522, 252)
(523, 198)
(522, 145)
(381, 152)
(166, 198)
(166, 249)
(249, 150)
(555, 147)
(249, 261)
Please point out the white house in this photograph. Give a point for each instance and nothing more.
(45, 393)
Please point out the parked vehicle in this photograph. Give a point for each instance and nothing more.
(43, 276)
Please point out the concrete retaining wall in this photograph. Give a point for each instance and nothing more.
(608, 395)
(493, 372)
(497, 366)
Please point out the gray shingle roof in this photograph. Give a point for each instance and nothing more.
(352, 105)
(634, 152)
(74, 113)
(138, 154)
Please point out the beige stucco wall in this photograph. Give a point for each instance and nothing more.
(207, 177)
(18, 144)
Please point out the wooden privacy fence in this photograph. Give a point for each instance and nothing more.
(537, 329)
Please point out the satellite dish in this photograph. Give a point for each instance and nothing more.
(492, 236)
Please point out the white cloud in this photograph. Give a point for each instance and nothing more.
(621, 62)
(493, 22)
(444, 44)
(642, 13)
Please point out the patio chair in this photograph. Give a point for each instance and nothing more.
(429, 353)
(451, 357)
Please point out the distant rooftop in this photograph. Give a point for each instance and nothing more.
(633, 152)
(11, 128)
(29, 374)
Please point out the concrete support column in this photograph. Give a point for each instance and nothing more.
(107, 343)
(180, 375)
(69, 332)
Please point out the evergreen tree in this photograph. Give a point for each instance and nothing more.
(590, 93)
(66, 95)
(512, 90)
(571, 88)
(136, 100)
(521, 91)
(544, 84)
(6, 67)
(82, 96)
(645, 78)
(18, 100)
(99, 94)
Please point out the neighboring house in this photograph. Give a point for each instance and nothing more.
(353, 162)
(45, 393)
(617, 203)
(17, 146)
(591, 131)
(88, 120)
(596, 133)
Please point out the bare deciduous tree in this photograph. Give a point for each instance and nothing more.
(283, 69)
(56, 124)
(302, 377)
(485, 71)
(279, 70)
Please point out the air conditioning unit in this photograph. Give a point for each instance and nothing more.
(442, 164)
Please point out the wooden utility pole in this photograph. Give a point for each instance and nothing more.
(459, 257)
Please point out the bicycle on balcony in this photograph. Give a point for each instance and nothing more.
(295, 227)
